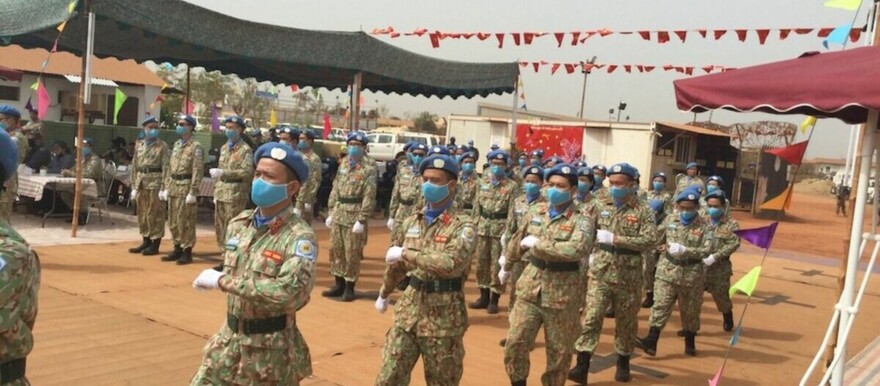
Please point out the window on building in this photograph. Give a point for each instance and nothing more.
(684, 146)
(9, 93)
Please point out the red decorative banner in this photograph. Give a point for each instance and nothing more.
(580, 68)
(561, 141)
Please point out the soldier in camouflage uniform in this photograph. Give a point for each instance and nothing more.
(496, 201)
(600, 192)
(713, 183)
(148, 173)
(660, 202)
(680, 273)
(406, 194)
(625, 229)
(351, 204)
(308, 195)
(268, 272)
(683, 181)
(232, 178)
(553, 238)
(19, 284)
(585, 198)
(92, 168)
(533, 181)
(435, 250)
(536, 157)
(725, 242)
(10, 120)
(182, 183)
(468, 182)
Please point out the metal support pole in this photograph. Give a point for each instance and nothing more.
(85, 76)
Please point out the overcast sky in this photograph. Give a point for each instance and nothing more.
(649, 97)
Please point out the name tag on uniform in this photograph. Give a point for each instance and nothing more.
(518, 212)
(632, 220)
(565, 228)
(671, 226)
(413, 232)
(535, 221)
(272, 255)
(440, 239)
(232, 244)
(484, 188)
(605, 214)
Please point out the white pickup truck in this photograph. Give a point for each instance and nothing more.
(383, 146)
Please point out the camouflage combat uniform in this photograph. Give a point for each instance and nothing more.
(232, 190)
(185, 177)
(92, 169)
(616, 273)
(544, 295)
(308, 194)
(651, 257)
(8, 195)
(430, 318)
(352, 199)
(682, 181)
(150, 167)
(493, 212)
(270, 272)
(466, 193)
(19, 287)
(406, 197)
(521, 209)
(724, 243)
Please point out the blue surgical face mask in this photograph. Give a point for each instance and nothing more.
(355, 151)
(417, 160)
(688, 215)
(497, 171)
(584, 187)
(522, 162)
(599, 180)
(3, 126)
(658, 186)
(434, 193)
(467, 168)
(715, 213)
(458, 158)
(232, 134)
(86, 151)
(711, 188)
(152, 133)
(532, 189)
(558, 196)
(302, 145)
(618, 193)
(180, 130)
(536, 162)
(266, 194)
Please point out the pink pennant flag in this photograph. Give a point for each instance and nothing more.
(554, 68)
(42, 100)
(715, 381)
(55, 46)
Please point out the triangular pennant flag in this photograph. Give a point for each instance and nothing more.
(28, 106)
(604, 32)
(569, 68)
(71, 6)
(523, 107)
(855, 34)
(649, 68)
(792, 154)
(762, 35)
(708, 69)
(119, 100)
(808, 123)
(681, 35)
(824, 32)
(662, 37)
(523, 64)
(627, 68)
(640, 67)
(747, 283)
(559, 37)
(589, 35)
(435, 39)
(780, 202)
(42, 101)
(735, 338)
(689, 70)
(536, 66)
(702, 33)
(527, 37)
(575, 37)
(483, 36)
(36, 85)
(61, 26)
(554, 67)
(760, 237)
(273, 118)
(716, 380)
(515, 38)
(611, 68)
(645, 35)
(783, 33)
(500, 38)
(741, 34)
(838, 35)
(803, 31)
(719, 33)
(849, 5)
(668, 67)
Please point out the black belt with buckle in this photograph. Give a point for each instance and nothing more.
(12, 370)
(406, 202)
(683, 263)
(619, 251)
(556, 266)
(432, 286)
(180, 177)
(350, 200)
(467, 206)
(231, 180)
(493, 215)
(256, 326)
(150, 170)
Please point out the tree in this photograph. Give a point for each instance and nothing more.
(424, 123)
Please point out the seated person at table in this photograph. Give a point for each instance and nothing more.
(120, 186)
(61, 158)
(37, 156)
(116, 152)
(92, 169)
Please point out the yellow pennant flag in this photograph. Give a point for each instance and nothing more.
(36, 84)
(71, 6)
(120, 98)
(61, 26)
(747, 283)
(849, 5)
(808, 123)
(780, 202)
(273, 120)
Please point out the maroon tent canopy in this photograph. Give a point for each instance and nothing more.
(843, 85)
(7, 73)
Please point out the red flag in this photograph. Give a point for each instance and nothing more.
(188, 106)
(649, 68)
(679, 69)
(395, 34)
(527, 37)
(803, 31)
(575, 36)
(559, 36)
(589, 35)
(719, 33)
(645, 35)
(605, 32)
(792, 154)
(419, 32)
(855, 34)
(435, 39)
(327, 127)
(641, 68)
(627, 68)
(500, 37)
(762, 35)
(536, 66)
(668, 67)
(741, 34)
(468, 35)
(294, 87)
(515, 38)
(708, 69)
(611, 68)
(689, 70)
(783, 33)
(702, 33)
(454, 35)
(662, 37)
(483, 35)
(824, 32)
(569, 68)
(682, 35)
(523, 64)
(587, 67)
(554, 67)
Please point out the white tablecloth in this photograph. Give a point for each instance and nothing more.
(33, 185)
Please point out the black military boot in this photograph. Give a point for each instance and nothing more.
(174, 255)
(482, 302)
(649, 300)
(140, 248)
(187, 257)
(153, 248)
(518, 383)
(336, 290)
(348, 292)
(649, 343)
(581, 369)
(492, 307)
(609, 314)
(503, 342)
(690, 346)
(728, 321)
(622, 374)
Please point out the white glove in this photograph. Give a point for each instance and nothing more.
(307, 206)
(208, 279)
(709, 260)
(676, 249)
(190, 199)
(503, 276)
(604, 237)
(163, 195)
(393, 255)
(329, 221)
(390, 224)
(381, 304)
(502, 260)
(504, 240)
(297, 212)
(215, 173)
(215, 200)
(358, 227)
(592, 259)
(528, 242)
(134, 194)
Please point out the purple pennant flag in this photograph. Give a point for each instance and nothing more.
(760, 237)
(28, 106)
(215, 121)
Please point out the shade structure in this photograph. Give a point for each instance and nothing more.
(179, 32)
(10, 74)
(841, 85)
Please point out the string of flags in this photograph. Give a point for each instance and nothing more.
(581, 67)
(43, 98)
(574, 38)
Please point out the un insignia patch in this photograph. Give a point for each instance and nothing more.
(306, 249)
(468, 234)
(278, 154)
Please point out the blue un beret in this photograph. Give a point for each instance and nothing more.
(286, 155)
(494, 147)
(8, 155)
(661, 175)
(357, 136)
(438, 150)
(10, 111)
(564, 170)
(419, 146)
(286, 129)
(189, 119)
(656, 205)
(715, 178)
(581, 164)
(533, 170)
(498, 154)
(309, 134)
(625, 169)
(555, 159)
(537, 153)
(295, 132)
(149, 120)
(718, 193)
(236, 120)
(408, 145)
(440, 161)
(689, 194)
(585, 172)
(89, 141)
(468, 154)
(601, 168)
(691, 165)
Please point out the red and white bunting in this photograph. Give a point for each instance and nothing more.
(571, 68)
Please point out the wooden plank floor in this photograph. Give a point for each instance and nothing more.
(111, 318)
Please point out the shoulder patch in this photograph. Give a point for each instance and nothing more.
(584, 226)
(306, 249)
(468, 234)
